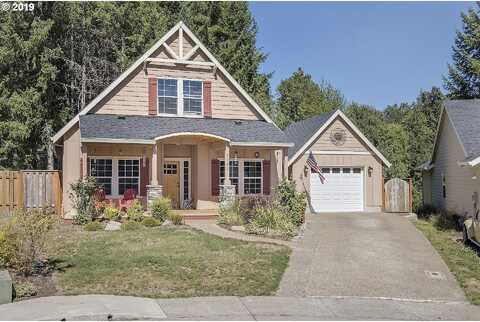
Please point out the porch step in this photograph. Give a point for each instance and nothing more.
(200, 217)
(198, 214)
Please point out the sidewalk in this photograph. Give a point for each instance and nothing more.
(103, 307)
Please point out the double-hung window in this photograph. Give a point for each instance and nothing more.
(192, 97)
(252, 177)
(101, 170)
(128, 175)
(233, 173)
(167, 92)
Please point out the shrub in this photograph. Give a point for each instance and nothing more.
(25, 289)
(161, 208)
(271, 220)
(82, 194)
(231, 215)
(176, 218)
(93, 226)
(135, 211)
(445, 220)
(23, 239)
(151, 222)
(112, 213)
(100, 207)
(426, 211)
(293, 201)
(131, 225)
(249, 204)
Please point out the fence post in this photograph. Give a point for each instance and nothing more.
(410, 194)
(19, 189)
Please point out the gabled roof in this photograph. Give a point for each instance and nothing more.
(125, 128)
(305, 133)
(464, 116)
(181, 28)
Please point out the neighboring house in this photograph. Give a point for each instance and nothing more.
(450, 177)
(168, 125)
(351, 165)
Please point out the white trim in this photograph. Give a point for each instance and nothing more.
(191, 52)
(162, 61)
(146, 56)
(182, 177)
(338, 152)
(170, 51)
(241, 177)
(115, 181)
(105, 140)
(191, 134)
(116, 82)
(471, 163)
(314, 137)
(267, 144)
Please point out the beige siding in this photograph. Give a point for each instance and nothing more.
(427, 188)
(373, 184)
(459, 183)
(71, 164)
(131, 97)
(352, 142)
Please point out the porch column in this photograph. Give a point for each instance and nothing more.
(154, 190)
(227, 164)
(285, 162)
(84, 163)
(154, 180)
(227, 190)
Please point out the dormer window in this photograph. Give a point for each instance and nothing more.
(182, 97)
(167, 96)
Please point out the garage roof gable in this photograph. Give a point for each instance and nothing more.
(305, 133)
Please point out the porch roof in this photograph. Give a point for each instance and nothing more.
(146, 129)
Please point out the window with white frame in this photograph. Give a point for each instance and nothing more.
(128, 175)
(234, 171)
(192, 97)
(101, 170)
(167, 96)
(252, 177)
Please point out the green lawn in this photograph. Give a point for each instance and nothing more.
(463, 262)
(159, 262)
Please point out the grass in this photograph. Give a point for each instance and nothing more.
(160, 262)
(462, 261)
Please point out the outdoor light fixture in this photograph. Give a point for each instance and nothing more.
(257, 154)
(235, 155)
(370, 170)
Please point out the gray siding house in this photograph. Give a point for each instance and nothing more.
(450, 178)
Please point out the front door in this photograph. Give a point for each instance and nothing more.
(171, 173)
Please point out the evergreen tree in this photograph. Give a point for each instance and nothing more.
(299, 98)
(463, 80)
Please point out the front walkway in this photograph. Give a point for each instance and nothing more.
(104, 307)
(367, 255)
(211, 227)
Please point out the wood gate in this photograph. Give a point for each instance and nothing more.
(398, 195)
(30, 189)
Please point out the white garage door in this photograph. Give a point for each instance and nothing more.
(342, 190)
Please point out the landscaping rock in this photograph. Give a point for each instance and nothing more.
(5, 287)
(167, 222)
(113, 225)
(238, 228)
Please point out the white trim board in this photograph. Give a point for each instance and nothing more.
(179, 26)
(314, 137)
(338, 152)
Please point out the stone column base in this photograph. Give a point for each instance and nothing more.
(153, 192)
(227, 195)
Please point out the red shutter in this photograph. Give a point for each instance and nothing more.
(81, 167)
(207, 99)
(215, 177)
(88, 166)
(152, 96)
(266, 177)
(144, 178)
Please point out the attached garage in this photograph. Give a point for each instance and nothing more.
(341, 191)
(351, 168)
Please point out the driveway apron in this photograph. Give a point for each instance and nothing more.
(367, 255)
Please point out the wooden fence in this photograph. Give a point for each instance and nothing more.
(30, 189)
(398, 195)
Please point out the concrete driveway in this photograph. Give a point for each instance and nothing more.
(367, 255)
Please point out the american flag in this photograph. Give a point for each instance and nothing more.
(312, 163)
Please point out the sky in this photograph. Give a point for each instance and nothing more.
(376, 53)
